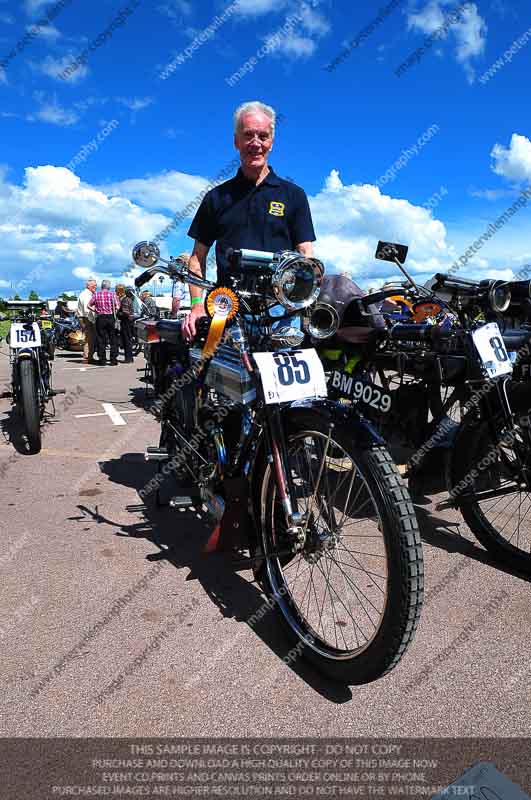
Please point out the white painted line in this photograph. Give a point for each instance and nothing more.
(78, 369)
(110, 411)
(115, 415)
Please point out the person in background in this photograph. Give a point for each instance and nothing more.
(61, 309)
(126, 316)
(179, 290)
(150, 307)
(87, 320)
(120, 291)
(105, 303)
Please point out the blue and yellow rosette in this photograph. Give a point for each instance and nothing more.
(222, 305)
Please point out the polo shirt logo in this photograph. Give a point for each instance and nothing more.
(277, 209)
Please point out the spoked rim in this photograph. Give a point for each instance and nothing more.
(506, 510)
(333, 593)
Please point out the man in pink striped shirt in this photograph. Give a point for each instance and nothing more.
(105, 303)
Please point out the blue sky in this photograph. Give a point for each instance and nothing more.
(160, 133)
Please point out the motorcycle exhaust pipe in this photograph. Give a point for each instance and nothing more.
(324, 321)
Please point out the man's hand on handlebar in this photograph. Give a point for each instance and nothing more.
(189, 323)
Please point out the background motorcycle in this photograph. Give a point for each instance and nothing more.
(69, 334)
(332, 534)
(31, 340)
(409, 378)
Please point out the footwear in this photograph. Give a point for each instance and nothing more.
(114, 363)
(102, 363)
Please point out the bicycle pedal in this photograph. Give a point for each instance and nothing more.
(156, 454)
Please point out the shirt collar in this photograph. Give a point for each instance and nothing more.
(271, 178)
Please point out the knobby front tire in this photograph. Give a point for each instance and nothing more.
(351, 600)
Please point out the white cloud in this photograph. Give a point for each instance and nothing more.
(136, 103)
(170, 190)
(61, 229)
(258, 7)
(54, 114)
(469, 32)
(294, 46)
(176, 9)
(49, 32)
(351, 219)
(53, 225)
(34, 6)
(53, 67)
(299, 34)
(513, 162)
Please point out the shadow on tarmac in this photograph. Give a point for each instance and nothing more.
(181, 536)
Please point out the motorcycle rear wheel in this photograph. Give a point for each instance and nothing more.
(374, 571)
(30, 404)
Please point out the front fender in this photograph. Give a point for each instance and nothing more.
(25, 353)
(363, 433)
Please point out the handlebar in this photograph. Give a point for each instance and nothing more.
(145, 277)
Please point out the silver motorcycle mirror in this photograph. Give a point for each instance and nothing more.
(146, 254)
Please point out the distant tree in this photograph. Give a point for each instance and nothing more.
(66, 296)
(16, 297)
(33, 295)
(2, 304)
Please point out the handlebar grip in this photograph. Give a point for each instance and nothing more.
(145, 277)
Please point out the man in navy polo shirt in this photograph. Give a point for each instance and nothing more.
(256, 209)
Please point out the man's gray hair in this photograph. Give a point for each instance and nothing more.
(105, 284)
(252, 107)
(90, 280)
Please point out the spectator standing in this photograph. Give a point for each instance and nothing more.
(179, 291)
(87, 320)
(150, 307)
(61, 309)
(126, 315)
(105, 303)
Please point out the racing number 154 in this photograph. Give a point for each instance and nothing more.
(291, 369)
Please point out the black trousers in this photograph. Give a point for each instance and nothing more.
(106, 335)
(126, 327)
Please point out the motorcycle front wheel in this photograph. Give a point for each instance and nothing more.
(30, 404)
(351, 598)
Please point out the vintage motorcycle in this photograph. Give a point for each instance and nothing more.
(69, 334)
(442, 386)
(245, 420)
(31, 342)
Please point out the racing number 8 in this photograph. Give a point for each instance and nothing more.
(498, 347)
(291, 369)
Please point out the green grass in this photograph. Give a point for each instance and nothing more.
(4, 327)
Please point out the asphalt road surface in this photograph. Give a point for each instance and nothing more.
(114, 622)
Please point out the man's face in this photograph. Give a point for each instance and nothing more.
(92, 286)
(253, 140)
